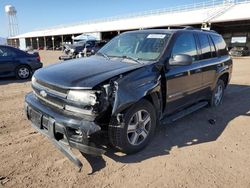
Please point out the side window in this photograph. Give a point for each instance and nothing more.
(6, 52)
(220, 45)
(213, 50)
(205, 46)
(185, 44)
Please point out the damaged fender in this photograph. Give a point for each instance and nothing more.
(131, 88)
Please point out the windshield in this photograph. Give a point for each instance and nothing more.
(139, 46)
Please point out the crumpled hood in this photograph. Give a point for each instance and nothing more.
(83, 72)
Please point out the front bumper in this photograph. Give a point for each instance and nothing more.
(63, 130)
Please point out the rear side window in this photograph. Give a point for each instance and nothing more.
(6, 52)
(220, 45)
(205, 46)
(212, 47)
(185, 44)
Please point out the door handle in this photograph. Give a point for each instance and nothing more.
(178, 75)
(197, 70)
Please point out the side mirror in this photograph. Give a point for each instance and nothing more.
(181, 60)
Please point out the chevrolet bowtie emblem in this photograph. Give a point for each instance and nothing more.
(43, 93)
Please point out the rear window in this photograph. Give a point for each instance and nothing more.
(6, 52)
(220, 45)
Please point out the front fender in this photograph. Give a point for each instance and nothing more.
(133, 87)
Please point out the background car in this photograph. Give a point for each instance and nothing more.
(78, 47)
(15, 62)
(81, 49)
(239, 51)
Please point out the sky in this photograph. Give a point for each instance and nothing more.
(37, 14)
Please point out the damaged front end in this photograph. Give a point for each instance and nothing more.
(66, 118)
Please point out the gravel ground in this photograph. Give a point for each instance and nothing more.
(190, 153)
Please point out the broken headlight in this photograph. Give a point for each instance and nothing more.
(85, 97)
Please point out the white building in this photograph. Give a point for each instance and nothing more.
(3, 41)
(231, 18)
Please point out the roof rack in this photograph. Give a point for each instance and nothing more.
(193, 28)
(180, 27)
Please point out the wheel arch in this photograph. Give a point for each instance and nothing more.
(225, 78)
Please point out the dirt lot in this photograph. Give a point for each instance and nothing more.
(191, 153)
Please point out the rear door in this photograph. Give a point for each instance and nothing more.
(7, 60)
(214, 56)
(208, 61)
(183, 82)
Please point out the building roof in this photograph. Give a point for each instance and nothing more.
(206, 12)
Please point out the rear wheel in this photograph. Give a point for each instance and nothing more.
(218, 94)
(138, 129)
(23, 72)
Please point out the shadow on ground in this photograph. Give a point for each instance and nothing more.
(11, 80)
(191, 130)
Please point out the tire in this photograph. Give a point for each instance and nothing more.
(23, 72)
(138, 129)
(217, 94)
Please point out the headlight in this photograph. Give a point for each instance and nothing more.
(86, 97)
(33, 80)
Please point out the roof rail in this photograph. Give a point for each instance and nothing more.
(211, 31)
(180, 27)
(199, 29)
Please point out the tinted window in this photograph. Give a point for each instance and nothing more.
(205, 46)
(91, 43)
(220, 44)
(213, 50)
(6, 52)
(185, 44)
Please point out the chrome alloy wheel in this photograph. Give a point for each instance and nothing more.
(23, 72)
(218, 95)
(138, 127)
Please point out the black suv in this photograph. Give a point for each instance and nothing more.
(136, 81)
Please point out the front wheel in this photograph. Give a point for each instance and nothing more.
(218, 94)
(138, 128)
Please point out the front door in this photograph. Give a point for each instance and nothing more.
(183, 83)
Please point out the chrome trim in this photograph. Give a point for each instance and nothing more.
(49, 102)
(40, 87)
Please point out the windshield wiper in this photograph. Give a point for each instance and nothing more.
(103, 54)
(131, 58)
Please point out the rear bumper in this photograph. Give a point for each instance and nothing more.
(36, 66)
(62, 130)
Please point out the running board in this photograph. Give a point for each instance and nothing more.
(172, 118)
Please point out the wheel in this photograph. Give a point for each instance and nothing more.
(138, 129)
(23, 72)
(218, 94)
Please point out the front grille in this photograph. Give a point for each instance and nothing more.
(56, 97)
(49, 94)
(52, 87)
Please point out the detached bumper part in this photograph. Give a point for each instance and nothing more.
(59, 144)
(63, 136)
